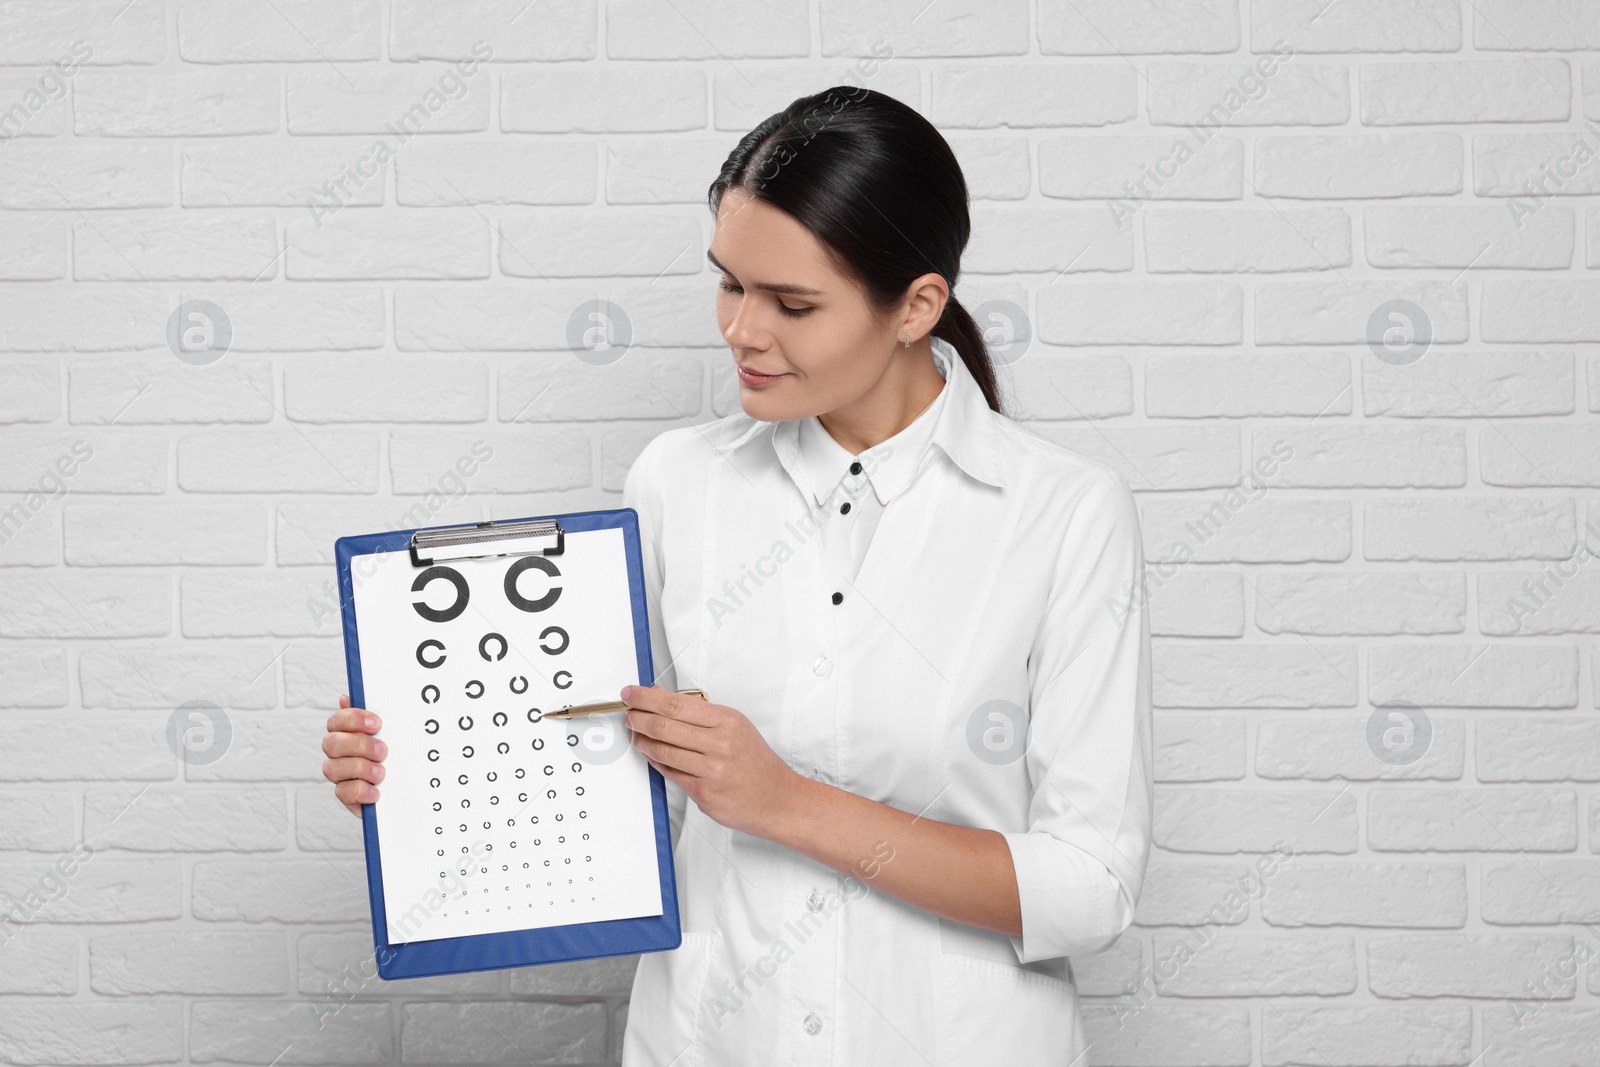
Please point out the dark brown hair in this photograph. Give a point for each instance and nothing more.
(880, 188)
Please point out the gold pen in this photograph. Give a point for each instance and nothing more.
(598, 707)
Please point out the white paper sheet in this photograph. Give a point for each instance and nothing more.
(553, 823)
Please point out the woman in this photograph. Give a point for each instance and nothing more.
(922, 777)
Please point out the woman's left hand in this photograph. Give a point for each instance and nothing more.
(715, 754)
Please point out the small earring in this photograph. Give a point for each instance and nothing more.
(906, 341)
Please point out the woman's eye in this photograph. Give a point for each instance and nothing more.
(729, 287)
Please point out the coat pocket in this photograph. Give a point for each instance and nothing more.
(996, 1012)
(665, 1006)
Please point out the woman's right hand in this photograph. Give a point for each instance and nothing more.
(355, 758)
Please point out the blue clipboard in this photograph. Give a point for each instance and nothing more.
(531, 947)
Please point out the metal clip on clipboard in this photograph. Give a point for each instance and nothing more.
(485, 540)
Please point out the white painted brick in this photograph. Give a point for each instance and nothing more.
(167, 390)
(32, 105)
(76, 177)
(1541, 891)
(1022, 97)
(30, 390)
(1358, 165)
(1233, 528)
(1180, 893)
(1484, 90)
(962, 28)
(541, 172)
(1562, 25)
(70, 320)
(30, 531)
(1462, 675)
(1452, 819)
(280, 890)
(1538, 750)
(292, 174)
(1209, 963)
(1245, 241)
(1196, 604)
(305, 533)
(1334, 603)
(562, 29)
(1197, 748)
(613, 100)
(266, 319)
(279, 31)
(126, 748)
(569, 246)
(251, 605)
(1540, 456)
(451, 245)
(278, 461)
(1378, 1035)
(1368, 894)
(1533, 166)
(1328, 312)
(104, 890)
(33, 676)
(647, 172)
(1468, 237)
(322, 824)
(1290, 383)
(1269, 92)
(491, 318)
(523, 461)
(1356, 26)
(151, 533)
(185, 819)
(132, 248)
(32, 250)
(652, 29)
(1052, 240)
(1469, 385)
(1469, 528)
(41, 963)
(40, 32)
(397, 103)
(91, 460)
(564, 389)
(57, 605)
(36, 820)
(1111, 973)
(269, 749)
(1468, 965)
(177, 961)
(995, 168)
(386, 389)
(1559, 599)
(1167, 1035)
(1141, 167)
(1049, 386)
(1553, 1033)
(432, 1031)
(342, 966)
(742, 97)
(1322, 749)
(1254, 820)
(196, 103)
(609, 976)
(91, 1032)
(1254, 676)
(154, 676)
(1141, 313)
(1158, 457)
(1541, 311)
(256, 1032)
(1106, 27)
(1348, 456)
(314, 674)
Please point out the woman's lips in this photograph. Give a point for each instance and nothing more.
(750, 377)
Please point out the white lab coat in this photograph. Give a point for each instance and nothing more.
(989, 666)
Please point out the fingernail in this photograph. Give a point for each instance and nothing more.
(372, 722)
(381, 749)
(627, 692)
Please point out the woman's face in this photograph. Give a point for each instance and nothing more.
(786, 310)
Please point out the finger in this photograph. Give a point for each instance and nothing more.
(676, 777)
(672, 731)
(672, 704)
(347, 767)
(679, 759)
(354, 793)
(356, 720)
(344, 700)
(351, 744)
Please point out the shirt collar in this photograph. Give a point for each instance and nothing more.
(888, 466)
(965, 428)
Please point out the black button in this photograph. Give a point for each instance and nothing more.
(838, 597)
(855, 468)
(844, 509)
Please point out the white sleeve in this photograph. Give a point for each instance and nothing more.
(641, 492)
(1080, 865)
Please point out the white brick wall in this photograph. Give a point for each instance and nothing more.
(1334, 531)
